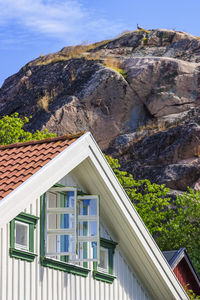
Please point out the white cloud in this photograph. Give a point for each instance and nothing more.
(63, 19)
(48, 17)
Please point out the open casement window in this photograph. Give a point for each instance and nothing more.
(60, 222)
(71, 226)
(88, 228)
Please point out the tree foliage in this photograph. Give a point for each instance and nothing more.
(11, 130)
(173, 223)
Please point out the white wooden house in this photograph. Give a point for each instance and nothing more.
(68, 230)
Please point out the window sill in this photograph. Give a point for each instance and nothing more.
(63, 266)
(23, 255)
(103, 277)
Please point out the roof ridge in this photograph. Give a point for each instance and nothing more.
(47, 140)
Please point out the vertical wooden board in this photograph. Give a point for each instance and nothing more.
(1, 260)
(70, 180)
(133, 286)
(44, 283)
(97, 289)
(4, 267)
(111, 290)
(138, 291)
(8, 265)
(127, 282)
(63, 293)
(26, 284)
(107, 289)
(82, 290)
(68, 285)
(73, 287)
(37, 267)
(52, 283)
(120, 276)
(87, 286)
(60, 284)
(31, 280)
(104, 232)
(21, 267)
(115, 283)
(30, 274)
(92, 289)
(78, 287)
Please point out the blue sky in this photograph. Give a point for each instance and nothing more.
(29, 28)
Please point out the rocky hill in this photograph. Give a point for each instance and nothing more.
(138, 94)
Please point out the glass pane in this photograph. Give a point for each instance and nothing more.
(87, 228)
(93, 250)
(52, 200)
(93, 228)
(21, 234)
(83, 250)
(88, 207)
(103, 264)
(61, 221)
(61, 199)
(83, 228)
(60, 244)
(86, 251)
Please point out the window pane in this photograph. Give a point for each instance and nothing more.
(86, 228)
(93, 228)
(93, 250)
(87, 251)
(61, 221)
(83, 228)
(62, 199)
(103, 264)
(21, 235)
(60, 244)
(88, 207)
(83, 250)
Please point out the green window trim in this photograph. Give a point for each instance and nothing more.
(23, 255)
(103, 277)
(62, 264)
(106, 277)
(31, 220)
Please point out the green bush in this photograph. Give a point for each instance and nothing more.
(11, 130)
(173, 224)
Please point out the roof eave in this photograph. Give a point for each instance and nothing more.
(83, 148)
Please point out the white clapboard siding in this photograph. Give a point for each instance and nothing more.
(21, 280)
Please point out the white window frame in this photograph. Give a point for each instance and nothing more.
(59, 210)
(89, 238)
(73, 256)
(20, 246)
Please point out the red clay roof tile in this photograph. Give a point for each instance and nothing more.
(20, 161)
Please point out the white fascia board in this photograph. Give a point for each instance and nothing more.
(150, 247)
(61, 165)
(42, 180)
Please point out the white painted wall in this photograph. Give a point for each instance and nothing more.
(20, 280)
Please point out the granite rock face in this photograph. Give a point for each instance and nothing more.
(138, 94)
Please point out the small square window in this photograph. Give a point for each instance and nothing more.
(21, 235)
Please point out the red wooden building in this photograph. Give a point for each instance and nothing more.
(183, 268)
